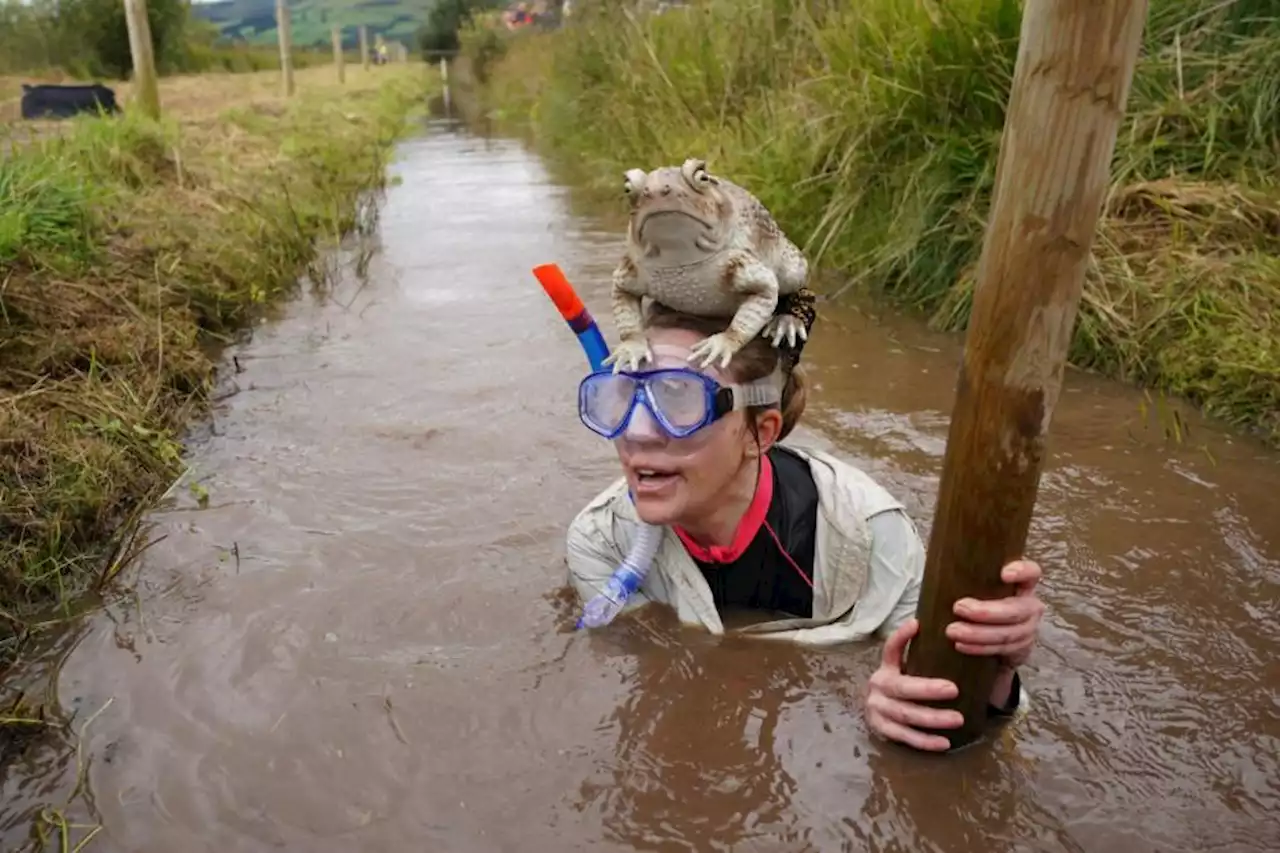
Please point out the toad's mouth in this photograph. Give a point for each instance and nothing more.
(676, 229)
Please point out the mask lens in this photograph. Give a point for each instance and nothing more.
(604, 400)
(681, 397)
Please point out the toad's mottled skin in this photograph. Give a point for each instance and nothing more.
(703, 245)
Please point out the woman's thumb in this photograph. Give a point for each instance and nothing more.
(897, 643)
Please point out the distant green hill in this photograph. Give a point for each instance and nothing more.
(254, 21)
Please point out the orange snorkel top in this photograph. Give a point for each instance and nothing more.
(561, 292)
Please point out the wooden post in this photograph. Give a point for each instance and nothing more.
(286, 46)
(444, 88)
(364, 47)
(146, 91)
(338, 59)
(1070, 88)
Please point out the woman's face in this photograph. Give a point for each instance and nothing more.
(675, 479)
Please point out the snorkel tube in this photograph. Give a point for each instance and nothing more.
(627, 578)
(574, 313)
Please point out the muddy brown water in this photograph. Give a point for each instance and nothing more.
(361, 642)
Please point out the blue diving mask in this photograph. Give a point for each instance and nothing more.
(681, 400)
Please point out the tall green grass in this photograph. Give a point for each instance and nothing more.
(872, 129)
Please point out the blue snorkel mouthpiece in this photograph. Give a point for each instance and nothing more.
(626, 579)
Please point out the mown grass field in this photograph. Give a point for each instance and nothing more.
(872, 129)
(230, 58)
(129, 250)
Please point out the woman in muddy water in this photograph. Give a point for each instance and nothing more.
(756, 526)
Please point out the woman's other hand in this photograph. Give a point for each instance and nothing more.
(1004, 627)
(891, 708)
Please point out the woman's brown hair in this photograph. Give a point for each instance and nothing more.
(757, 360)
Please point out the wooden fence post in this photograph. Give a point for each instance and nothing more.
(284, 30)
(364, 47)
(338, 58)
(146, 90)
(1071, 84)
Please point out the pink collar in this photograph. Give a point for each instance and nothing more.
(748, 527)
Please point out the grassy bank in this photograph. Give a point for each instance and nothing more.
(127, 248)
(872, 130)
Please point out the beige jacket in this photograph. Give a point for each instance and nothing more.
(868, 560)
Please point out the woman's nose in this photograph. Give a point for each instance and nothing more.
(642, 428)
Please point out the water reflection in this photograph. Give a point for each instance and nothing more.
(698, 760)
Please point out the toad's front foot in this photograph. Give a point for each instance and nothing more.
(719, 347)
(628, 355)
(786, 326)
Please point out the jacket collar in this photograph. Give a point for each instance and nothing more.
(841, 553)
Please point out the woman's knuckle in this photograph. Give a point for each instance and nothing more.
(921, 717)
(909, 715)
(894, 712)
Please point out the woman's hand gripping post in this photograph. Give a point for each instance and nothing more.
(1005, 628)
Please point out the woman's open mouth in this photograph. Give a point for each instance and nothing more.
(654, 480)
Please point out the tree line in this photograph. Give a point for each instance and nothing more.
(88, 39)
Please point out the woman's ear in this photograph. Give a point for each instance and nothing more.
(768, 427)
